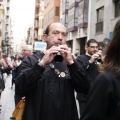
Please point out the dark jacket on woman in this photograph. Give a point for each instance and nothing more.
(50, 97)
(2, 83)
(91, 69)
(104, 98)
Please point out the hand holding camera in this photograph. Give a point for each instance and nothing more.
(97, 57)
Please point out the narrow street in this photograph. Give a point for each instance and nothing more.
(7, 100)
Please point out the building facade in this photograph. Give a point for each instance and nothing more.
(75, 18)
(51, 12)
(36, 19)
(103, 15)
(5, 26)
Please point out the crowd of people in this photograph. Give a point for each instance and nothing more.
(48, 80)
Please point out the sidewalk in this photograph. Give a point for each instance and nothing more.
(7, 100)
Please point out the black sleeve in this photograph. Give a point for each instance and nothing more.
(6, 70)
(28, 78)
(79, 76)
(99, 99)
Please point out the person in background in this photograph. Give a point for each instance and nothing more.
(26, 51)
(89, 62)
(104, 97)
(15, 65)
(3, 69)
(48, 83)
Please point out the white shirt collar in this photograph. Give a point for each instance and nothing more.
(88, 54)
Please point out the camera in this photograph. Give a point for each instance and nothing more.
(58, 57)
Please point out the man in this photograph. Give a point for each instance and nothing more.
(47, 84)
(90, 63)
(26, 51)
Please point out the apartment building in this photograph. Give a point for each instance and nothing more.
(36, 19)
(51, 12)
(2, 22)
(41, 18)
(30, 36)
(103, 15)
(5, 26)
(75, 18)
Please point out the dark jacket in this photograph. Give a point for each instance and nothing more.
(6, 70)
(50, 97)
(104, 98)
(91, 69)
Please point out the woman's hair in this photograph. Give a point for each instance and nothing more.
(17, 58)
(112, 54)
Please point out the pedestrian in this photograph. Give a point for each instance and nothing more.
(48, 84)
(26, 51)
(15, 65)
(89, 62)
(104, 97)
(2, 83)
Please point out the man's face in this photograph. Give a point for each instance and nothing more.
(92, 48)
(26, 52)
(56, 35)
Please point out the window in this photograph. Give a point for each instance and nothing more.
(117, 8)
(100, 19)
(100, 14)
(57, 12)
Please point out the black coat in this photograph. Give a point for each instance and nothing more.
(6, 70)
(91, 69)
(50, 97)
(104, 98)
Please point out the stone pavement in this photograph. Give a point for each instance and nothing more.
(7, 100)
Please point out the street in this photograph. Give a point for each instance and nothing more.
(7, 99)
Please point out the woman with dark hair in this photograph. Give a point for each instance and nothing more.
(104, 98)
(15, 64)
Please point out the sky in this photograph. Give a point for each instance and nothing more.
(22, 15)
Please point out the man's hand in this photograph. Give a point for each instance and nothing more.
(49, 55)
(93, 57)
(66, 53)
(97, 55)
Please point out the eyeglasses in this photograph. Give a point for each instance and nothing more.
(93, 47)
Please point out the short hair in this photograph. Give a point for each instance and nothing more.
(28, 47)
(47, 29)
(91, 41)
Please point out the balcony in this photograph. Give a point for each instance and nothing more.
(65, 8)
(37, 5)
(8, 5)
(36, 38)
(3, 42)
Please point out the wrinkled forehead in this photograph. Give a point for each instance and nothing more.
(57, 27)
